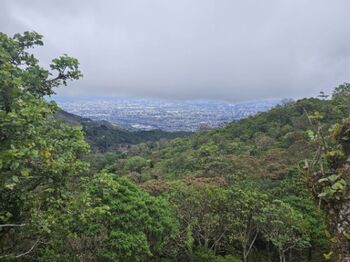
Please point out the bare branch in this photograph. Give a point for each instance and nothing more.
(22, 254)
(252, 242)
(12, 225)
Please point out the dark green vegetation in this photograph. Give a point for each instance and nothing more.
(103, 136)
(273, 187)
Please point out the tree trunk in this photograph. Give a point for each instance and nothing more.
(206, 243)
(282, 256)
(310, 254)
(268, 251)
(290, 255)
(244, 254)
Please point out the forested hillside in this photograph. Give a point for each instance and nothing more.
(227, 184)
(103, 136)
(272, 187)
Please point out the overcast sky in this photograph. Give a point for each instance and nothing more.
(214, 49)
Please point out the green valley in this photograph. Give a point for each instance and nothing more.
(271, 187)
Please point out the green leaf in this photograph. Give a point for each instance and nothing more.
(15, 179)
(333, 178)
(10, 185)
(328, 256)
(25, 172)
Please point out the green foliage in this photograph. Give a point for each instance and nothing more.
(246, 211)
(220, 219)
(262, 146)
(104, 137)
(254, 155)
(333, 186)
(20, 71)
(284, 227)
(328, 178)
(201, 208)
(223, 173)
(121, 222)
(341, 96)
(136, 164)
(39, 157)
(221, 194)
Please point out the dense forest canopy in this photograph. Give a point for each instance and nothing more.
(272, 187)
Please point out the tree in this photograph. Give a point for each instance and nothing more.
(341, 96)
(115, 221)
(20, 72)
(245, 210)
(284, 227)
(136, 164)
(294, 192)
(39, 157)
(203, 210)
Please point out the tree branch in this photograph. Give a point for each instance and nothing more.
(252, 243)
(22, 254)
(12, 225)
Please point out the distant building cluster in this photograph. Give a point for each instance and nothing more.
(148, 114)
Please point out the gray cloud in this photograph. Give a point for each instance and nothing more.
(220, 49)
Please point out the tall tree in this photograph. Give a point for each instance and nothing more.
(39, 157)
(112, 220)
(246, 207)
(284, 227)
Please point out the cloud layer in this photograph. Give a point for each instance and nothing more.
(219, 49)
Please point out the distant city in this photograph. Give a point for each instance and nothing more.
(167, 115)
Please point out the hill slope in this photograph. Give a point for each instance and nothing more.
(258, 157)
(264, 145)
(103, 136)
(247, 169)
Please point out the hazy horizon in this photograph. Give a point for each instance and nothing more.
(77, 97)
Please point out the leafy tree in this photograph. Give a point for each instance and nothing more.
(293, 191)
(136, 163)
(38, 156)
(246, 208)
(203, 209)
(112, 220)
(284, 227)
(341, 95)
(21, 73)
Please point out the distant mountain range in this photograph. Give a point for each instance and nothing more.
(166, 115)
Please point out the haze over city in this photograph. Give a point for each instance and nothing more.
(192, 49)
